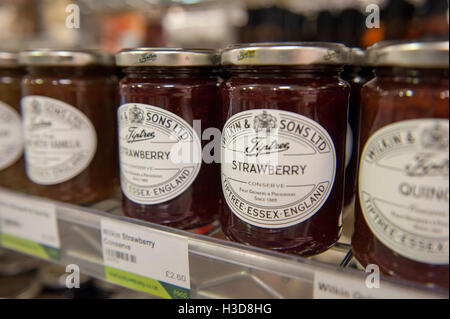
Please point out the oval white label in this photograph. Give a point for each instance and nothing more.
(11, 138)
(60, 141)
(278, 167)
(160, 154)
(404, 190)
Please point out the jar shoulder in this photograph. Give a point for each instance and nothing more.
(285, 83)
(169, 81)
(398, 87)
(7, 80)
(61, 82)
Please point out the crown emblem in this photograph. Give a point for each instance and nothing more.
(435, 138)
(35, 107)
(136, 115)
(264, 121)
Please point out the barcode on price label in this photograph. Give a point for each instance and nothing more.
(117, 254)
(145, 259)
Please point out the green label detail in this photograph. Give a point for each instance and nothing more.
(30, 247)
(144, 284)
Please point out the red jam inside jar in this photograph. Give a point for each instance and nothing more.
(68, 106)
(12, 165)
(401, 217)
(283, 145)
(168, 97)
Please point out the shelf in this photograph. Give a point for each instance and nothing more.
(218, 268)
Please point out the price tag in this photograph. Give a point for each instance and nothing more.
(146, 260)
(29, 226)
(344, 286)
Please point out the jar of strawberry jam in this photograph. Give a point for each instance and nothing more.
(283, 145)
(167, 97)
(12, 167)
(401, 221)
(69, 99)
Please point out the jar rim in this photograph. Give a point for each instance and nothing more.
(288, 53)
(166, 57)
(417, 54)
(358, 57)
(9, 59)
(50, 57)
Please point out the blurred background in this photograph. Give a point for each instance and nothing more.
(115, 24)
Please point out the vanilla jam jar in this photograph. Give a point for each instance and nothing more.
(69, 101)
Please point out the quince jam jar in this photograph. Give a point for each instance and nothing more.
(167, 97)
(401, 221)
(69, 99)
(283, 145)
(12, 167)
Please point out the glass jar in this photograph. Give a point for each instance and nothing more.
(12, 167)
(401, 218)
(283, 145)
(69, 100)
(167, 96)
(357, 73)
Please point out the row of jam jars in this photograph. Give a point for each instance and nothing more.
(12, 167)
(285, 110)
(402, 204)
(169, 99)
(69, 102)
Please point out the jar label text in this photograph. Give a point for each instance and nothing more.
(404, 190)
(11, 138)
(160, 153)
(278, 167)
(60, 140)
